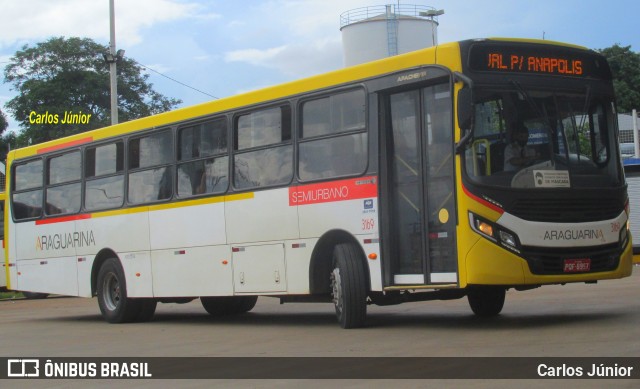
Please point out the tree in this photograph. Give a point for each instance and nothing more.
(70, 76)
(625, 67)
(3, 139)
(3, 122)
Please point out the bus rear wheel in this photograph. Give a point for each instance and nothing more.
(228, 305)
(486, 301)
(114, 304)
(349, 286)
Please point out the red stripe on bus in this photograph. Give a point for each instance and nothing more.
(327, 192)
(63, 219)
(65, 145)
(483, 201)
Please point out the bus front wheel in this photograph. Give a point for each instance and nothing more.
(486, 301)
(114, 304)
(349, 286)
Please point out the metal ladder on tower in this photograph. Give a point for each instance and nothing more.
(392, 31)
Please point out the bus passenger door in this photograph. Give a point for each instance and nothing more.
(418, 185)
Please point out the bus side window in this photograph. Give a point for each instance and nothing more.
(150, 175)
(104, 174)
(264, 152)
(27, 190)
(334, 138)
(203, 163)
(63, 184)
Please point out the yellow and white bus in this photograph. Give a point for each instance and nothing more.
(380, 183)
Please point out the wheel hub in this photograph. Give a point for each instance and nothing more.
(111, 292)
(336, 289)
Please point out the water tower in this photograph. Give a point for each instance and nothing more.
(375, 32)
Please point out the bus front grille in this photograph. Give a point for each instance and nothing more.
(545, 261)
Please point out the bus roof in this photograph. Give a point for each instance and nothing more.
(539, 41)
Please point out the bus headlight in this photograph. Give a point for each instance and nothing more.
(485, 228)
(507, 239)
(494, 232)
(482, 226)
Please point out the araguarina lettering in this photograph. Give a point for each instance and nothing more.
(573, 234)
(62, 241)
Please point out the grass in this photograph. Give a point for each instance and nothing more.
(9, 295)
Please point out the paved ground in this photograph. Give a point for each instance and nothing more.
(600, 320)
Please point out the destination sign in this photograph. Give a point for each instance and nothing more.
(537, 59)
(533, 64)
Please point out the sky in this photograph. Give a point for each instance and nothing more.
(225, 47)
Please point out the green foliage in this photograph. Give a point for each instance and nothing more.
(70, 75)
(584, 139)
(3, 122)
(625, 67)
(4, 138)
(10, 295)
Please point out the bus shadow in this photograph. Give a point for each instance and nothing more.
(500, 322)
(270, 314)
(247, 319)
(383, 320)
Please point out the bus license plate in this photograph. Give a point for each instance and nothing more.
(577, 265)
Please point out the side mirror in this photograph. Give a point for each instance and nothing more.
(466, 112)
(465, 109)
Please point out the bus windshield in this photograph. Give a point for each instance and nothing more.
(540, 138)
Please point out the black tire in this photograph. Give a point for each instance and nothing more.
(35, 295)
(114, 304)
(486, 301)
(228, 305)
(349, 286)
(147, 310)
